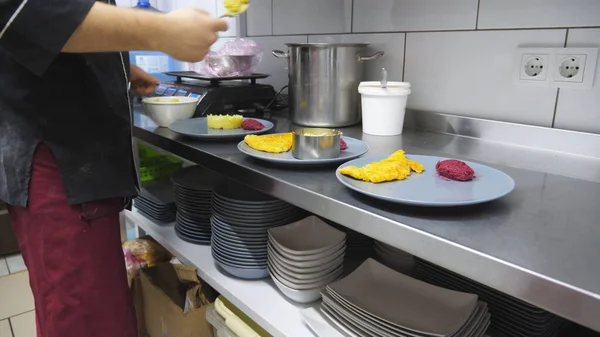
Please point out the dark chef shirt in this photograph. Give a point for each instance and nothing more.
(76, 104)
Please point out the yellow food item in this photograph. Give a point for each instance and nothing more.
(165, 100)
(311, 134)
(394, 167)
(236, 6)
(270, 143)
(224, 122)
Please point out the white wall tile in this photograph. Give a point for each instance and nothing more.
(214, 7)
(312, 16)
(411, 15)
(580, 109)
(275, 67)
(470, 73)
(166, 5)
(207, 5)
(538, 13)
(259, 18)
(391, 44)
(232, 22)
(124, 3)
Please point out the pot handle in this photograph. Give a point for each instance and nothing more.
(373, 57)
(280, 54)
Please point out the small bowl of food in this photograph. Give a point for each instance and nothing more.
(164, 111)
(316, 143)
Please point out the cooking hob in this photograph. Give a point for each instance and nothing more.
(223, 95)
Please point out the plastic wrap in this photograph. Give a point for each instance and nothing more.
(239, 57)
(141, 253)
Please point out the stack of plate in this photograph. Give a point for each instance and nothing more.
(192, 191)
(377, 301)
(156, 201)
(512, 317)
(395, 258)
(304, 257)
(241, 218)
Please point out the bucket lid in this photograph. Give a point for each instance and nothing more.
(392, 89)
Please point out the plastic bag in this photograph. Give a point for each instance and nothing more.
(142, 253)
(239, 57)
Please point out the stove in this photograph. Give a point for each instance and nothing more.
(219, 96)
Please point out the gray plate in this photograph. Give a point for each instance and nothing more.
(390, 298)
(429, 189)
(197, 128)
(356, 148)
(243, 273)
(242, 232)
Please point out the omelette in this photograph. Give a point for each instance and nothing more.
(394, 167)
(276, 143)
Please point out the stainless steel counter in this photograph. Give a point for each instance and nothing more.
(541, 243)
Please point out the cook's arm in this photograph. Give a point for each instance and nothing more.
(128, 29)
(34, 32)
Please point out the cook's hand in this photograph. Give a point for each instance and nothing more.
(142, 83)
(190, 34)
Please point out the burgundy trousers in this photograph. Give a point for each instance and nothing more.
(74, 257)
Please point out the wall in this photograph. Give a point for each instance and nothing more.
(458, 54)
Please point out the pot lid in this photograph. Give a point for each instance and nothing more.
(326, 45)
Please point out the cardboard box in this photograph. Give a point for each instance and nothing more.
(135, 284)
(174, 302)
(159, 255)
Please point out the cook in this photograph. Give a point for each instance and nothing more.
(66, 165)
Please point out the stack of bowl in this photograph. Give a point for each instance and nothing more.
(304, 257)
(358, 246)
(241, 217)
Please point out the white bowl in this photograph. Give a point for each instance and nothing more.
(165, 112)
(299, 296)
(309, 236)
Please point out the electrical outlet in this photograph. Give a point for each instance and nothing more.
(531, 66)
(572, 68)
(575, 67)
(534, 67)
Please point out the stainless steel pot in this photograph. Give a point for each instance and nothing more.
(323, 82)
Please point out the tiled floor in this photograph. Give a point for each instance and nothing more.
(17, 318)
(15, 263)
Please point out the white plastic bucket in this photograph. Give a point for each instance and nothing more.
(383, 109)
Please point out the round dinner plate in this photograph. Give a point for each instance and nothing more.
(430, 189)
(198, 128)
(356, 148)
